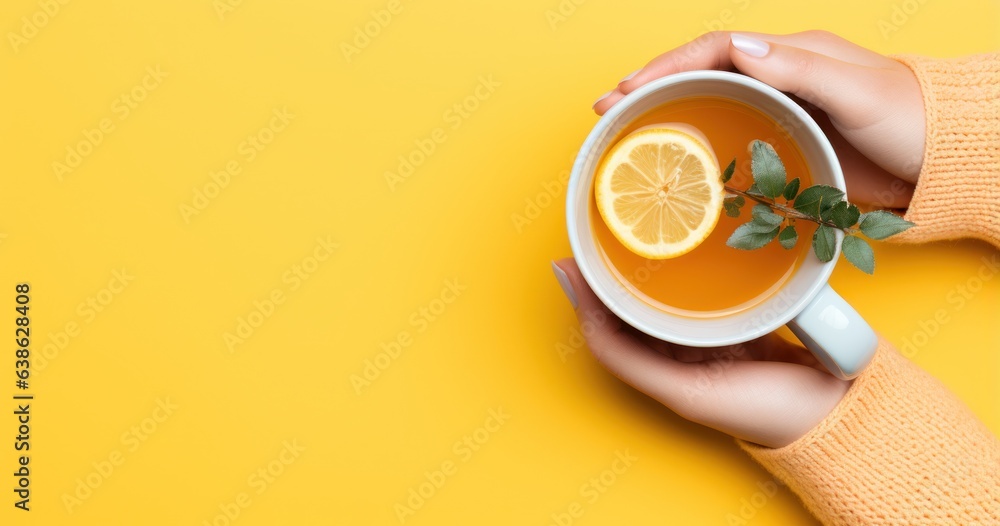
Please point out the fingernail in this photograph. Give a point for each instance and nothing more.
(563, 280)
(629, 76)
(750, 46)
(602, 97)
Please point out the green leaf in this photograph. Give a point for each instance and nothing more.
(758, 227)
(732, 210)
(753, 190)
(733, 204)
(859, 253)
(763, 214)
(815, 200)
(788, 237)
(881, 224)
(744, 238)
(844, 214)
(736, 200)
(854, 215)
(824, 243)
(768, 171)
(727, 174)
(791, 189)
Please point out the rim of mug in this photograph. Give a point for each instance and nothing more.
(609, 119)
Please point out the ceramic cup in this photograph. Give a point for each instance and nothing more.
(829, 327)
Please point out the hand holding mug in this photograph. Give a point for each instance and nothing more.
(871, 106)
(767, 391)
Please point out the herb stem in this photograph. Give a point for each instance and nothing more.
(790, 213)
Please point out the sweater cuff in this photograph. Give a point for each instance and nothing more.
(958, 192)
(899, 448)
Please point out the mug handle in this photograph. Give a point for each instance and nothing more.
(835, 332)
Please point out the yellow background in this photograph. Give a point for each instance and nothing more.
(160, 338)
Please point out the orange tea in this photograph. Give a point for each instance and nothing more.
(713, 279)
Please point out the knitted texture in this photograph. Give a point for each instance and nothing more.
(958, 192)
(899, 449)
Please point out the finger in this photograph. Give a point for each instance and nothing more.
(770, 347)
(711, 51)
(691, 354)
(662, 347)
(837, 87)
(622, 351)
(594, 316)
(829, 44)
(606, 101)
(779, 349)
(770, 403)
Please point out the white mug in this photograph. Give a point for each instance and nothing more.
(829, 327)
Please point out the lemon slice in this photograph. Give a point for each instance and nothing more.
(659, 190)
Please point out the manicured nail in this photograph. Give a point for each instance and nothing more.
(602, 97)
(630, 75)
(750, 46)
(563, 280)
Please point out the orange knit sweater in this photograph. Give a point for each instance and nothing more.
(900, 448)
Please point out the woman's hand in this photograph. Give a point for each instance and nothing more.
(767, 391)
(869, 105)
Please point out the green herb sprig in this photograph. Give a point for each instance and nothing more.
(779, 204)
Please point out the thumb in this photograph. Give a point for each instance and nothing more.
(835, 86)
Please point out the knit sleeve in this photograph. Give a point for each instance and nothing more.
(958, 192)
(899, 449)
